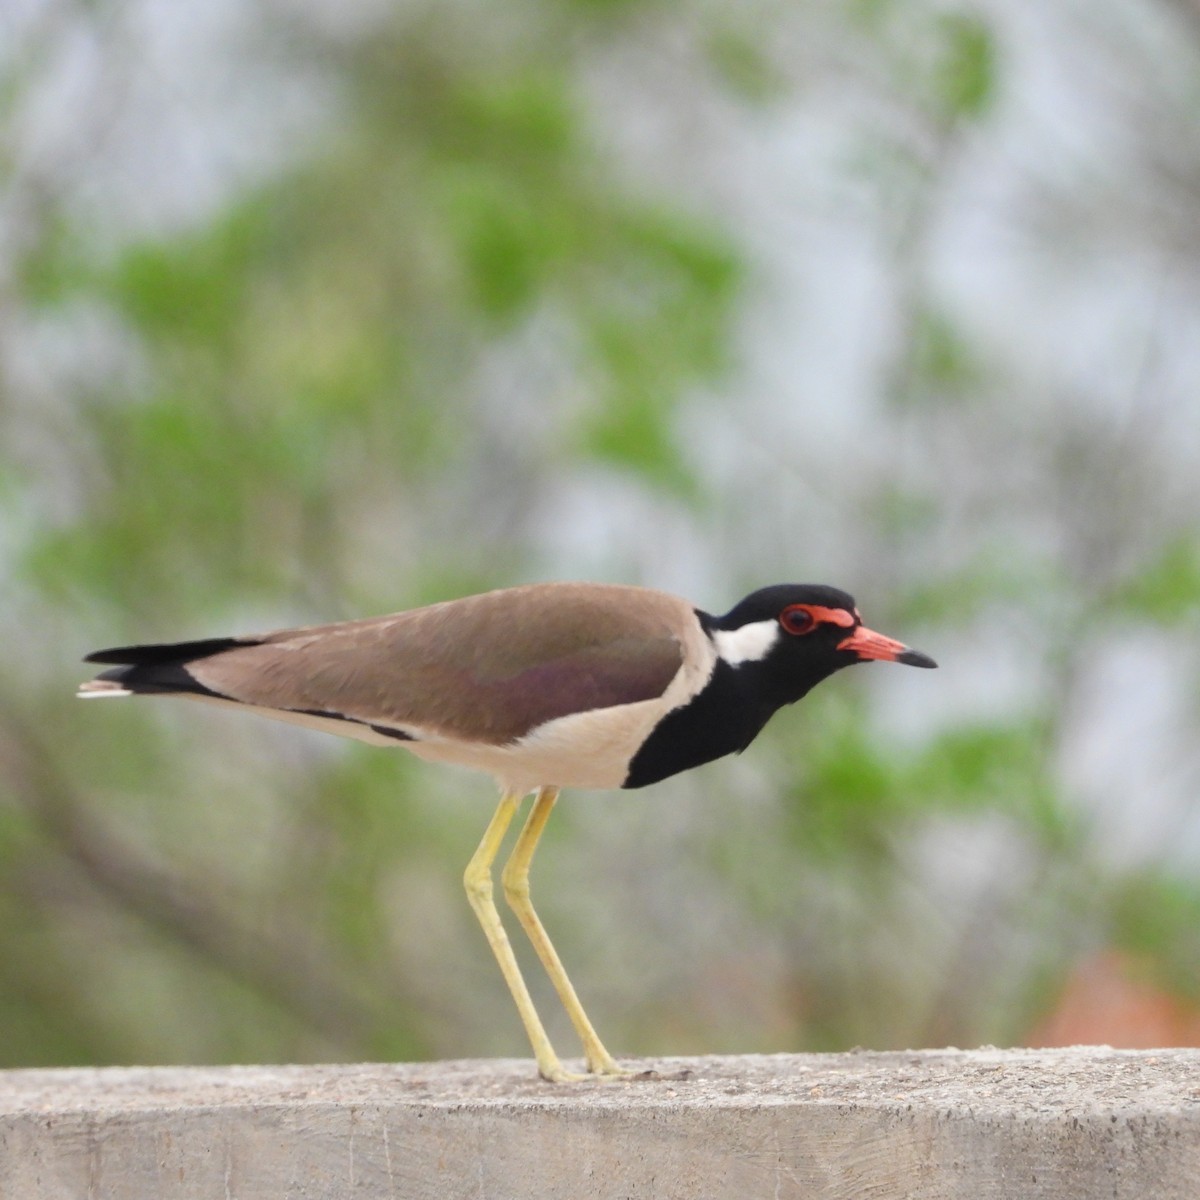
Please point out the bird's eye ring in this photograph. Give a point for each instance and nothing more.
(797, 619)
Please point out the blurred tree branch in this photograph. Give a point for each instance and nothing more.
(288, 968)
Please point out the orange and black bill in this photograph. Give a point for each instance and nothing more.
(868, 644)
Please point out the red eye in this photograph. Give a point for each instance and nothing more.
(796, 619)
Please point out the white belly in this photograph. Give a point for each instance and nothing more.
(586, 750)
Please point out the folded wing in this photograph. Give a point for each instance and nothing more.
(487, 668)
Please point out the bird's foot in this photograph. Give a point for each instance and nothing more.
(603, 1067)
(557, 1073)
(610, 1069)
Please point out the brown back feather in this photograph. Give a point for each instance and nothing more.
(488, 668)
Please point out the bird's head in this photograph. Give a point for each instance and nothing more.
(791, 636)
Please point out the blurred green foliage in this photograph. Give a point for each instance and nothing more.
(1166, 590)
(361, 382)
(966, 75)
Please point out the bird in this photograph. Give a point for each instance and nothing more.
(545, 686)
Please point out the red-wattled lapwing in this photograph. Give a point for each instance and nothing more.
(549, 686)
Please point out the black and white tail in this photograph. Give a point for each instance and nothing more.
(158, 669)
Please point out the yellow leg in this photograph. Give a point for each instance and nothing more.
(515, 879)
(478, 882)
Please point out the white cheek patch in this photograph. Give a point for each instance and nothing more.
(750, 643)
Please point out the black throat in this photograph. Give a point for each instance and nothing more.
(729, 712)
(724, 717)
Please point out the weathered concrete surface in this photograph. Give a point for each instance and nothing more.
(931, 1125)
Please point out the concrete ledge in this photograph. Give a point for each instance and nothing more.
(928, 1125)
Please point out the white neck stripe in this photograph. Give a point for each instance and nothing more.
(749, 643)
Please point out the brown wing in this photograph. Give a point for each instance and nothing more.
(487, 668)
